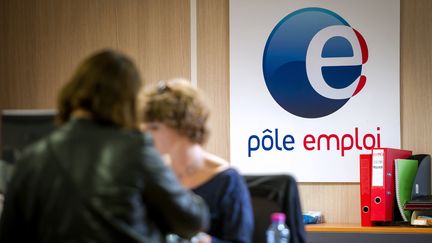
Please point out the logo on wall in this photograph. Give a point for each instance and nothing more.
(313, 61)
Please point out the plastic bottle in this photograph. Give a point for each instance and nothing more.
(278, 231)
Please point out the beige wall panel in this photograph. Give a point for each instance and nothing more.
(416, 75)
(163, 48)
(213, 69)
(44, 40)
(339, 202)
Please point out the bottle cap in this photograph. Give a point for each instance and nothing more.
(279, 217)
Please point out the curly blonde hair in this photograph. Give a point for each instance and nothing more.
(180, 106)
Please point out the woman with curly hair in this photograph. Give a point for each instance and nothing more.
(176, 116)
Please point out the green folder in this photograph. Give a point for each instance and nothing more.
(405, 172)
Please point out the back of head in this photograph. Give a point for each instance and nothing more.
(105, 85)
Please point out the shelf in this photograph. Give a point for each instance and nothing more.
(355, 228)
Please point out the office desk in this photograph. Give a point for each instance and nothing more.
(334, 233)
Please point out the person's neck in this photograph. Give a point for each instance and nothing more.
(187, 158)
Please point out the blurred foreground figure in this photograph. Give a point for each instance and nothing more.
(97, 178)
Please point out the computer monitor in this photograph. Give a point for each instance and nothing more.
(19, 128)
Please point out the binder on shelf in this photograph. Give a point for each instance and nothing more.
(423, 203)
(383, 182)
(365, 189)
(422, 182)
(405, 172)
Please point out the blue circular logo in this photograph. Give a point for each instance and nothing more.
(313, 61)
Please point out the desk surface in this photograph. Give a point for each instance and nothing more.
(355, 228)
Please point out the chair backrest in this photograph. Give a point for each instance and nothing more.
(276, 193)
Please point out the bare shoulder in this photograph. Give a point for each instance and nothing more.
(216, 163)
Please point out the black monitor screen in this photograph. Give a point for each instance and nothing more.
(20, 128)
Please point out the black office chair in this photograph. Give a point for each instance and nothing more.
(276, 193)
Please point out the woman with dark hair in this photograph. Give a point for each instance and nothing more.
(176, 115)
(97, 178)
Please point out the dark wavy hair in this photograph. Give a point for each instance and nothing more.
(180, 106)
(106, 85)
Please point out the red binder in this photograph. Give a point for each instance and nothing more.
(365, 189)
(383, 182)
